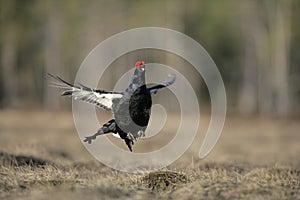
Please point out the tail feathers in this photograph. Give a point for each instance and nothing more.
(60, 83)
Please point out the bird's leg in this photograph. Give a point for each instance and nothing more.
(130, 136)
(89, 139)
(108, 127)
(129, 143)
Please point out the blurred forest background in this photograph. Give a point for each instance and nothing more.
(255, 45)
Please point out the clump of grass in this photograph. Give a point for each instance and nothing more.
(163, 180)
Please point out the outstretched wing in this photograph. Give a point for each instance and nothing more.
(170, 81)
(100, 98)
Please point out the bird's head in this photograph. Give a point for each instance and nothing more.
(139, 73)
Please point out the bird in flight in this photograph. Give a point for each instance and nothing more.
(131, 108)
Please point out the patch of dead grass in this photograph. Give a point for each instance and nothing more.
(254, 159)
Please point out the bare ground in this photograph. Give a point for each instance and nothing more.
(41, 157)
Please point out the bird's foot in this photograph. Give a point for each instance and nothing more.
(141, 134)
(89, 139)
(129, 143)
(131, 137)
(129, 140)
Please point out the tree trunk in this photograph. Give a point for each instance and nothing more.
(9, 73)
(52, 57)
(247, 99)
(280, 57)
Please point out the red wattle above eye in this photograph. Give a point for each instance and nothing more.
(139, 63)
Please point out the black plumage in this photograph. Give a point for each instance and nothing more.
(131, 108)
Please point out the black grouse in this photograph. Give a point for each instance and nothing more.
(131, 108)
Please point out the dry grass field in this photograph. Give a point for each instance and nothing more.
(41, 157)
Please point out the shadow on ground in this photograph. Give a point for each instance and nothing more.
(7, 159)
